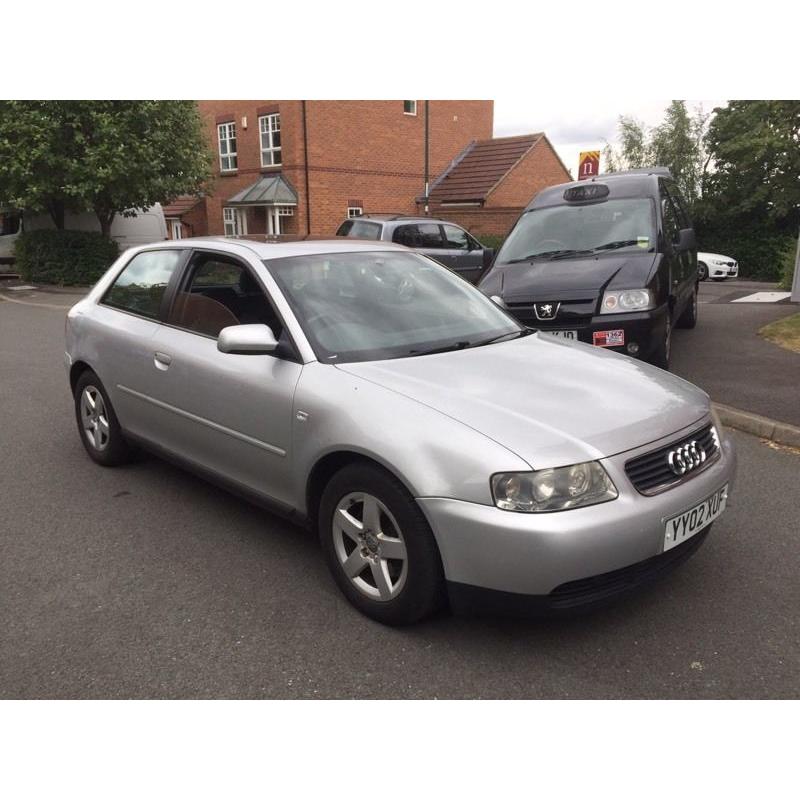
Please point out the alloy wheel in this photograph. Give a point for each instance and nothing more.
(94, 418)
(369, 546)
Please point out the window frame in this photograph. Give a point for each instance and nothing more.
(270, 132)
(239, 221)
(230, 130)
(359, 209)
(182, 282)
(166, 298)
(175, 225)
(413, 112)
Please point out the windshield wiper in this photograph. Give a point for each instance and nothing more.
(446, 349)
(615, 245)
(545, 254)
(517, 334)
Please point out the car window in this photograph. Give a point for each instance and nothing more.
(422, 235)
(140, 287)
(221, 292)
(671, 224)
(360, 229)
(680, 206)
(455, 237)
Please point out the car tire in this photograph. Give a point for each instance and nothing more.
(661, 356)
(397, 589)
(702, 271)
(689, 317)
(98, 426)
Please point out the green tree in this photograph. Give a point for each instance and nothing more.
(676, 143)
(107, 156)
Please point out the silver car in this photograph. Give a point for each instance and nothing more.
(439, 447)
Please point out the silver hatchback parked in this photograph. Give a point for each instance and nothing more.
(439, 447)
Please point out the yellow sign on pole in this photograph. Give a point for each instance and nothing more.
(589, 165)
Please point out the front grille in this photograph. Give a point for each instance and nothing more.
(651, 472)
(609, 585)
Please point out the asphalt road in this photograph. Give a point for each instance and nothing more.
(145, 581)
(725, 355)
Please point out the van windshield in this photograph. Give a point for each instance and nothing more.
(577, 230)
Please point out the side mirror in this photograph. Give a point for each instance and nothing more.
(497, 300)
(686, 240)
(247, 339)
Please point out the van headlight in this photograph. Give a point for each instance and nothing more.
(620, 301)
(553, 489)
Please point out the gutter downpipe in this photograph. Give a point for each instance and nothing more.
(427, 149)
(305, 168)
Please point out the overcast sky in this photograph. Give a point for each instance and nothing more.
(578, 125)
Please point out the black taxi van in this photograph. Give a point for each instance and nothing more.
(610, 261)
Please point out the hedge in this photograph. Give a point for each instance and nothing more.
(492, 240)
(66, 258)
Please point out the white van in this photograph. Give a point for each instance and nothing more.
(146, 227)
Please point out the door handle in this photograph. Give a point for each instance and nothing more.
(162, 360)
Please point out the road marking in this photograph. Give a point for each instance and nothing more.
(763, 297)
(38, 305)
(20, 288)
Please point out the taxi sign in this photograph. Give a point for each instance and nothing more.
(589, 165)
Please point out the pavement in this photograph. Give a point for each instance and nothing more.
(726, 357)
(146, 582)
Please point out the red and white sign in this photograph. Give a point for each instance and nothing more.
(589, 165)
(608, 338)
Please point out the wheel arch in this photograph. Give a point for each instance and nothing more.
(328, 465)
(75, 372)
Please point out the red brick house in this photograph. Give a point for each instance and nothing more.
(299, 167)
(487, 185)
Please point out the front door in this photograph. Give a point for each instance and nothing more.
(228, 413)
(466, 253)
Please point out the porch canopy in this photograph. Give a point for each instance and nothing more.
(269, 190)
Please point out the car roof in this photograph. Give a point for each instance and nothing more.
(399, 218)
(271, 250)
(631, 183)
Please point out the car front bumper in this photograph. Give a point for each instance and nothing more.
(723, 271)
(642, 331)
(484, 547)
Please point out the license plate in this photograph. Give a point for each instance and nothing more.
(614, 338)
(684, 526)
(563, 334)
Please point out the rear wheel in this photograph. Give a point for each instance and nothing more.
(689, 317)
(97, 423)
(379, 546)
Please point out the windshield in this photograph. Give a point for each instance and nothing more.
(368, 306)
(569, 230)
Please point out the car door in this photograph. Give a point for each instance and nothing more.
(467, 254)
(228, 413)
(676, 261)
(123, 326)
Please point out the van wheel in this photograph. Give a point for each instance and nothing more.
(689, 317)
(97, 423)
(661, 356)
(379, 546)
(702, 271)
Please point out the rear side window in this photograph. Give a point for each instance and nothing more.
(424, 235)
(140, 287)
(360, 229)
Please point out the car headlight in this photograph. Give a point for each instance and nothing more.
(619, 301)
(553, 489)
(718, 262)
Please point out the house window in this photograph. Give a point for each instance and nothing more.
(176, 229)
(354, 211)
(226, 133)
(270, 131)
(235, 221)
(274, 214)
(410, 107)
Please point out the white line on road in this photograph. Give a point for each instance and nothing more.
(763, 297)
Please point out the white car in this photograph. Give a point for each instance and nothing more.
(716, 267)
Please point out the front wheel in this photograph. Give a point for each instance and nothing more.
(702, 271)
(379, 546)
(661, 356)
(689, 317)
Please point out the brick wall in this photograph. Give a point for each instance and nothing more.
(541, 167)
(480, 221)
(366, 150)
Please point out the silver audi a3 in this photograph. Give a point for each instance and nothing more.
(439, 448)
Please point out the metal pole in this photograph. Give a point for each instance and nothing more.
(305, 168)
(427, 150)
(796, 281)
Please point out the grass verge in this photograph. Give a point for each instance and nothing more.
(784, 332)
